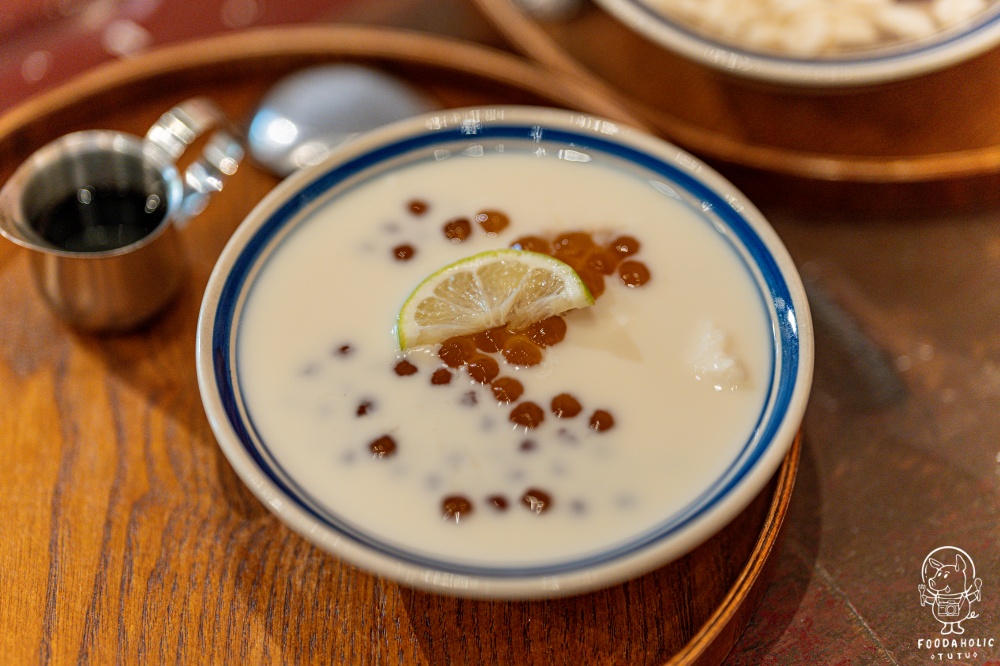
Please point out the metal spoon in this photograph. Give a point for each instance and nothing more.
(310, 112)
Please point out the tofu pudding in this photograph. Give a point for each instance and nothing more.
(642, 403)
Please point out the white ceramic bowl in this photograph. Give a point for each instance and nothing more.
(720, 42)
(537, 133)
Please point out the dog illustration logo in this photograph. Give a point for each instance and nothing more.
(950, 587)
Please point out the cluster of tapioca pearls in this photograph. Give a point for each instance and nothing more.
(461, 352)
(458, 507)
(591, 261)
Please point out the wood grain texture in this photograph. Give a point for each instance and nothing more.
(125, 537)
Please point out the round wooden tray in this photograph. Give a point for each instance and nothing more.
(690, 611)
(940, 127)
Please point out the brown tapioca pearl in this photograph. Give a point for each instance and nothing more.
(520, 350)
(507, 389)
(527, 414)
(404, 368)
(602, 261)
(417, 206)
(537, 501)
(343, 350)
(457, 230)
(441, 376)
(574, 244)
(456, 507)
(532, 244)
(593, 281)
(624, 246)
(492, 221)
(498, 502)
(547, 332)
(565, 406)
(633, 273)
(528, 445)
(364, 407)
(456, 352)
(383, 447)
(602, 420)
(483, 369)
(403, 252)
(491, 341)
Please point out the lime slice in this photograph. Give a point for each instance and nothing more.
(512, 287)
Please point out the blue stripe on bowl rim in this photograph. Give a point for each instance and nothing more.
(751, 248)
(901, 51)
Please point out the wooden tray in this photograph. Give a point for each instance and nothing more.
(146, 547)
(939, 128)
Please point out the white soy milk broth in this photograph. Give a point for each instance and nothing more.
(334, 282)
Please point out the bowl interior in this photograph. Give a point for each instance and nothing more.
(320, 200)
(803, 47)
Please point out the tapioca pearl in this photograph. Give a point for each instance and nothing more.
(527, 446)
(491, 341)
(383, 447)
(565, 406)
(903, 21)
(537, 501)
(532, 244)
(492, 221)
(527, 414)
(365, 407)
(403, 252)
(567, 436)
(633, 273)
(520, 350)
(457, 230)
(625, 501)
(547, 332)
(455, 508)
(417, 207)
(456, 352)
(624, 246)
(601, 260)
(343, 350)
(593, 281)
(433, 481)
(602, 420)
(573, 244)
(498, 502)
(506, 389)
(404, 368)
(441, 376)
(483, 369)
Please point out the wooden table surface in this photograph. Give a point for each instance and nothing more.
(125, 537)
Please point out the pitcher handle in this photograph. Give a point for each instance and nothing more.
(177, 129)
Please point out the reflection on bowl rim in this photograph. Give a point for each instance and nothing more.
(735, 217)
(894, 62)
